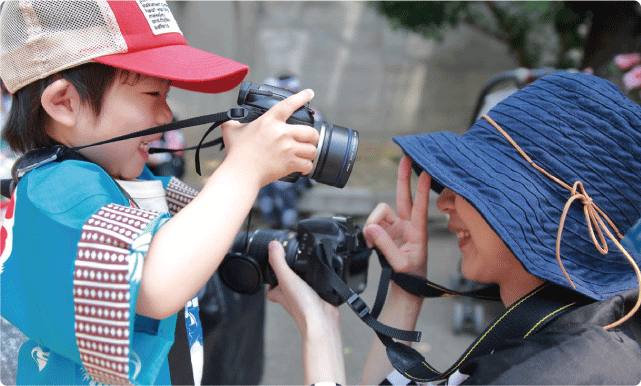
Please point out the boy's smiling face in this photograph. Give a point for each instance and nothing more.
(129, 106)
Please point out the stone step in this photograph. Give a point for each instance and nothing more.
(356, 202)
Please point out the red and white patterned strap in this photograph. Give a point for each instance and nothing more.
(102, 290)
(179, 195)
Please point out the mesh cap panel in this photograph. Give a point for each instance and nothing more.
(40, 38)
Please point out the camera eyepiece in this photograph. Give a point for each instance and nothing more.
(337, 146)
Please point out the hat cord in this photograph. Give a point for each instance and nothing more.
(594, 217)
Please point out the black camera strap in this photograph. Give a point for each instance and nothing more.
(522, 319)
(358, 305)
(38, 157)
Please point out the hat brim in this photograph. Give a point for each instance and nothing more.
(186, 67)
(515, 210)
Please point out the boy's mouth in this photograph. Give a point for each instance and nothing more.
(143, 148)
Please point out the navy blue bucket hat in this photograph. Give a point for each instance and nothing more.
(576, 127)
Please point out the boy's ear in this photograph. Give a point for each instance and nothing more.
(61, 101)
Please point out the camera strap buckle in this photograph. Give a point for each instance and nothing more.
(237, 113)
(360, 308)
(358, 305)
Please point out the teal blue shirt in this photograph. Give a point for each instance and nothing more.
(72, 255)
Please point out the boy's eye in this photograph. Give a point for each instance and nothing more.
(154, 93)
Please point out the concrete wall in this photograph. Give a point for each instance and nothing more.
(366, 76)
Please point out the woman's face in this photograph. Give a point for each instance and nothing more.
(486, 258)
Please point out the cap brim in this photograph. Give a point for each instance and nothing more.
(186, 67)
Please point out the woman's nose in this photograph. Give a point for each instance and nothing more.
(445, 201)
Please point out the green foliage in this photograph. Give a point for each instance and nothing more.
(424, 17)
(538, 33)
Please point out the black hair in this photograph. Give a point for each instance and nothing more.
(24, 129)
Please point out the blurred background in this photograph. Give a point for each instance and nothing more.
(397, 68)
(384, 69)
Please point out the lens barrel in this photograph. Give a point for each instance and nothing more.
(336, 154)
(247, 268)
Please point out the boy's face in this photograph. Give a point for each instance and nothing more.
(127, 107)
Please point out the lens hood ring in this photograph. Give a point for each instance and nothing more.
(319, 147)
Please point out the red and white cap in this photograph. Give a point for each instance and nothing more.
(40, 38)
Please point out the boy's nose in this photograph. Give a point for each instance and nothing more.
(165, 115)
(445, 201)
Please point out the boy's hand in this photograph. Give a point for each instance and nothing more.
(402, 236)
(269, 148)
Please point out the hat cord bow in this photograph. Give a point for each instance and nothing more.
(593, 215)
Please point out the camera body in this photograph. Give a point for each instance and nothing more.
(337, 146)
(335, 241)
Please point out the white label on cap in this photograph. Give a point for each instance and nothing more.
(159, 16)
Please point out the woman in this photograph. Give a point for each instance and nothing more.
(538, 192)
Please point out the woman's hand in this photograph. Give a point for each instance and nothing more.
(268, 148)
(317, 320)
(296, 296)
(402, 236)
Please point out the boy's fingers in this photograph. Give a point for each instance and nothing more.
(285, 108)
(230, 125)
(306, 134)
(404, 188)
(307, 151)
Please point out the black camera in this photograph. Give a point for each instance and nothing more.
(337, 146)
(336, 242)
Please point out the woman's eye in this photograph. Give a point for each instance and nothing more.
(154, 93)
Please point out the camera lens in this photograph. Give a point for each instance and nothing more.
(246, 268)
(335, 155)
(337, 146)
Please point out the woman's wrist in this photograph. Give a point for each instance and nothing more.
(316, 327)
(323, 359)
(399, 296)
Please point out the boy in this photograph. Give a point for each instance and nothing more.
(538, 192)
(94, 266)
